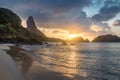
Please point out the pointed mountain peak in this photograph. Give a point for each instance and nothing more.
(31, 26)
(30, 18)
(31, 23)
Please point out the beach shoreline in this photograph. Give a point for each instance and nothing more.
(30, 69)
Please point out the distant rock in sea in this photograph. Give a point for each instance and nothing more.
(79, 39)
(107, 38)
(31, 26)
(64, 43)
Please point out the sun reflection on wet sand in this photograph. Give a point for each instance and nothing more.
(68, 62)
(63, 62)
(74, 62)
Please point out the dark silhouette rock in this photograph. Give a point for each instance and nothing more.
(54, 40)
(45, 42)
(107, 38)
(64, 43)
(11, 30)
(79, 39)
(33, 28)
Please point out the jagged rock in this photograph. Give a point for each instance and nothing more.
(31, 26)
(11, 30)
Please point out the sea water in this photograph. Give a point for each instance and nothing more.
(82, 61)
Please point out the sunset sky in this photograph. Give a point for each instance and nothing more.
(69, 18)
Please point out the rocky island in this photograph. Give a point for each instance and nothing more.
(79, 39)
(107, 38)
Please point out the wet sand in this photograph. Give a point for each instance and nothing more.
(30, 68)
(37, 72)
(8, 68)
(79, 62)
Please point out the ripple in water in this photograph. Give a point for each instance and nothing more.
(86, 61)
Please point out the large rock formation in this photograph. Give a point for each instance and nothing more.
(107, 38)
(11, 30)
(7, 17)
(33, 28)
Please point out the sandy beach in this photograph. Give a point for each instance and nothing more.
(31, 70)
(37, 72)
(41, 62)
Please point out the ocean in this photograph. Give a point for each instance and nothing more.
(81, 61)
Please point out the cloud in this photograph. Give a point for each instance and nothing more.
(96, 28)
(76, 22)
(58, 31)
(50, 5)
(116, 22)
(101, 28)
(47, 12)
(65, 15)
(110, 9)
(62, 5)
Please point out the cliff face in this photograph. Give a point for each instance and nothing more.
(33, 28)
(107, 38)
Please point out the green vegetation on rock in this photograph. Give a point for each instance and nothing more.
(12, 31)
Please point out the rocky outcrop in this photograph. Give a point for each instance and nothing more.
(9, 18)
(11, 30)
(31, 26)
(107, 38)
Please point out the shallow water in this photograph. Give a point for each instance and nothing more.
(83, 61)
(86, 61)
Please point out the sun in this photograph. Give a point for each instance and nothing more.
(71, 36)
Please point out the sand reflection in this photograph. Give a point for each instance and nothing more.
(75, 63)
(63, 62)
(23, 60)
